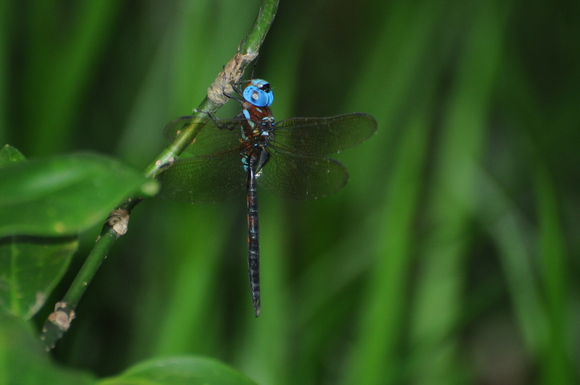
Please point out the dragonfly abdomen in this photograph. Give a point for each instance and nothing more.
(253, 228)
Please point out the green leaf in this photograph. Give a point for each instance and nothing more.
(30, 267)
(180, 371)
(23, 361)
(10, 155)
(63, 195)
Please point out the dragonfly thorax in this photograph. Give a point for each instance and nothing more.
(258, 126)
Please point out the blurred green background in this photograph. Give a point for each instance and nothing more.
(449, 258)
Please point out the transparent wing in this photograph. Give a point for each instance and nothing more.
(323, 136)
(204, 179)
(213, 137)
(301, 177)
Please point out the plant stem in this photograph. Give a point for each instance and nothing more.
(59, 321)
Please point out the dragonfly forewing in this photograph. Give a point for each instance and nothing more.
(324, 136)
(214, 137)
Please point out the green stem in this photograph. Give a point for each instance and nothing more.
(59, 321)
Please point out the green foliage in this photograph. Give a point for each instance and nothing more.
(180, 371)
(10, 155)
(43, 203)
(62, 195)
(448, 258)
(24, 362)
(30, 267)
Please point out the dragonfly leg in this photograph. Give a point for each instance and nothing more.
(233, 96)
(237, 88)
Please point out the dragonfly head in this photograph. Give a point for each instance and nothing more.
(259, 93)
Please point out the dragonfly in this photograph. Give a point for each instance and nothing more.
(287, 158)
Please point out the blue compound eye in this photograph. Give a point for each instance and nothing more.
(259, 93)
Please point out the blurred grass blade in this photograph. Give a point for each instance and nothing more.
(6, 19)
(442, 280)
(60, 67)
(557, 362)
(375, 357)
(189, 302)
(511, 233)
